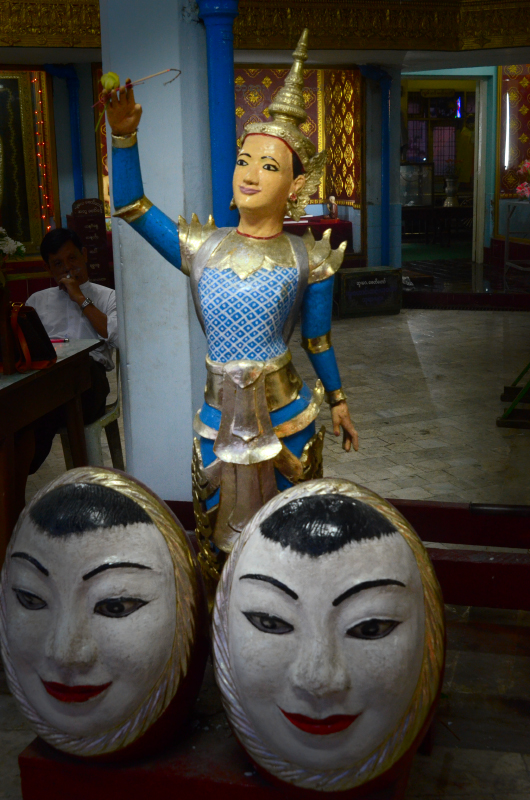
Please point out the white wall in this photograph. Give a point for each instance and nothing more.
(161, 343)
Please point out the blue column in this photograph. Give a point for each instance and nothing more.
(218, 16)
(69, 74)
(385, 81)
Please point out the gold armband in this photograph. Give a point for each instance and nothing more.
(318, 344)
(134, 210)
(125, 140)
(335, 397)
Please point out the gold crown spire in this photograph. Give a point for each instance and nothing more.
(289, 104)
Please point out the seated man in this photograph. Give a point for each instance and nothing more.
(75, 309)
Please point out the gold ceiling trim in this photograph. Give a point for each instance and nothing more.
(49, 23)
(454, 25)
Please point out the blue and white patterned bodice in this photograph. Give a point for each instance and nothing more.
(245, 318)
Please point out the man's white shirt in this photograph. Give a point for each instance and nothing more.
(63, 319)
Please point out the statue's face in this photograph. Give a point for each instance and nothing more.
(325, 662)
(263, 176)
(90, 622)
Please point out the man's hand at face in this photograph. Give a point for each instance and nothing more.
(70, 284)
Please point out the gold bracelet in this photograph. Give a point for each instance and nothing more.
(126, 140)
(134, 210)
(318, 344)
(335, 397)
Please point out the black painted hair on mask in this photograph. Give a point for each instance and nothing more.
(80, 507)
(321, 524)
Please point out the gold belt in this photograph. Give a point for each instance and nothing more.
(282, 382)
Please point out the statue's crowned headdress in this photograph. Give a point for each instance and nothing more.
(288, 113)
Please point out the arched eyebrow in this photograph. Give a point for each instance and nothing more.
(273, 581)
(31, 560)
(244, 154)
(271, 158)
(113, 565)
(359, 587)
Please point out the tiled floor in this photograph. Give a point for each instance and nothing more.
(424, 389)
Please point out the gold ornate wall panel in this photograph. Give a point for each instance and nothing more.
(343, 127)
(50, 23)
(269, 24)
(23, 210)
(379, 24)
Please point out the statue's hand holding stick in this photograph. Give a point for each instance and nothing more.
(123, 112)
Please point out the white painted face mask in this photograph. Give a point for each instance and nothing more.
(98, 621)
(328, 638)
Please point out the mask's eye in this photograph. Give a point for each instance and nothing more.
(267, 623)
(29, 600)
(270, 167)
(373, 629)
(118, 606)
(241, 162)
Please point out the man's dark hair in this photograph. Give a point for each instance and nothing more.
(321, 524)
(80, 507)
(54, 240)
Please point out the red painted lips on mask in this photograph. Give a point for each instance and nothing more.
(73, 694)
(321, 727)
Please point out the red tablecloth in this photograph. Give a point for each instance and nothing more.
(340, 229)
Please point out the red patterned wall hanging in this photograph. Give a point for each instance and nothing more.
(514, 127)
(257, 88)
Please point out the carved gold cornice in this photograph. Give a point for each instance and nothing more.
(383, 25)
(276, 24)
(49, 23)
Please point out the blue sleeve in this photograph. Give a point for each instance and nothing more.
(316, 321)
(155, 227)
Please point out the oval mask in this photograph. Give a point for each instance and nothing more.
(102, 614)
(328, 636)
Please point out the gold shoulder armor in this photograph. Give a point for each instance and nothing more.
(323, 260)
(192, 236)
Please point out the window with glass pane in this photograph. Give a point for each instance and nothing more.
(417, 146)
(443, 147)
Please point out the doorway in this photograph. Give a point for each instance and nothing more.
(437, 181)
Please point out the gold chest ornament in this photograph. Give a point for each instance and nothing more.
(245, 255)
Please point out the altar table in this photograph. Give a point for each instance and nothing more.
(27, 396)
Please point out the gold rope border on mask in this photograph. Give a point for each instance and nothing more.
(187, 594)
(399, 741)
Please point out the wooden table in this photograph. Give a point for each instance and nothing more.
(24, 398)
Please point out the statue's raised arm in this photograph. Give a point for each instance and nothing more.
(130, 202)
(256, 431)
